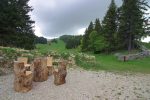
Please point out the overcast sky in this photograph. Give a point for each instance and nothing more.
(54, 18)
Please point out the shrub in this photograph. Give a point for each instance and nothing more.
(9, 52)
(86, 64)
(65, 55)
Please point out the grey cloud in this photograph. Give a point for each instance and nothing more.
(67, 16)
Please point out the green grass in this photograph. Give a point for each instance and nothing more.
(103, 61)
(57, 47)
(110, 63)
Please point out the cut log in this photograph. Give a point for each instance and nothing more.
(49, 61)
(60, 75)
(63, 65)
(28, 67)
(32, 67)
(28, 80)
(23, 59)
(19, 68)
(23, 78)
(50, 70)
(40, 70)
(50, 65)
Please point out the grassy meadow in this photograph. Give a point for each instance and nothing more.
(106, 62)
(57, 47)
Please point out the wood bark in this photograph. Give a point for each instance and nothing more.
(50, 70)
(60, 75)
(23, 79)
(23, 59)
(40, 70)
(130, 43)
(50, 65)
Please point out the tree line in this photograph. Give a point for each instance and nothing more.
(71, 41)
(16, 26)
(121, 28)
(40, 40)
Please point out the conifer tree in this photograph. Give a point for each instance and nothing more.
(131, 27)
(97, 42)
(85, 40)
(90, 28)
(98, 26)
(15, 24)
(110, 26)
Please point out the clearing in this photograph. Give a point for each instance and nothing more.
(83, 85)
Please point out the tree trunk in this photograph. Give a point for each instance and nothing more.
(133, 42)
(23, 79)
(130, 43)
(50, 65)
(50, 70)
(40, 70)
(60, 75)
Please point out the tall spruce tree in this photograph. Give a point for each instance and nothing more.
(90, 28)
(26, 24)
(85, 40)
(89, 31)
(131, 27)
(98, 26)
(97, 42)
(6, 21)
(15, 24)
(110, 26)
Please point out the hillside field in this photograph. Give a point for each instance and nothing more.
(106, 62)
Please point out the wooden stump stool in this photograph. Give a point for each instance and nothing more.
(25, 61)
(50, 70)
(23, 78)
(50, 65)
(60, 75)
(40, 70)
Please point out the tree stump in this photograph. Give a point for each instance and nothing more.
(50, 65)
(25, 60)
(40, 70)
(60, 75)
(23, 78)
(50, 70)
(19, 68)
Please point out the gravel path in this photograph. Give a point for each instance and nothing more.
(83, 85)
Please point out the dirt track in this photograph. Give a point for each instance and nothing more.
(83, 85)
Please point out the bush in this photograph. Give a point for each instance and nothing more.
(85, 57)
(86, 64)
(10, 53)
(65, 55)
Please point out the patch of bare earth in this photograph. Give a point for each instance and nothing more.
(83, 85)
